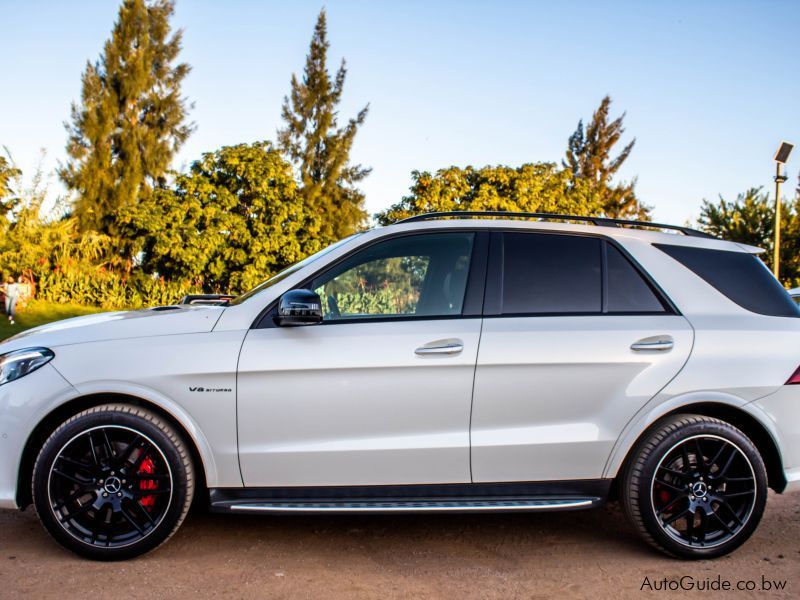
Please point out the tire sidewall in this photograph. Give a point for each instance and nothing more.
(650, 462)
(74, 427)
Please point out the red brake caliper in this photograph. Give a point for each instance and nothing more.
(148, 467)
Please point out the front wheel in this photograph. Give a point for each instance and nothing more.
(695, 488)
(113, 482)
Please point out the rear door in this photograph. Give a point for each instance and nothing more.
(575, 340)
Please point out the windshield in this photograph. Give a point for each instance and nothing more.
(289, 270)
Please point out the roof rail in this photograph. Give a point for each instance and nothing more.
(599, 221)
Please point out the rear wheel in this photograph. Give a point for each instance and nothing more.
(113, 482)
(696, 487)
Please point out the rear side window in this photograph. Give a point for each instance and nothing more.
(740, 276)
(561, 274)
(551, 274)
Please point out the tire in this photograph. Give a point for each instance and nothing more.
(690, 508)
(113, 482)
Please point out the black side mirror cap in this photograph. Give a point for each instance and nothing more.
(299, 307)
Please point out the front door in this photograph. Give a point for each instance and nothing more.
(380, 391)
(575, 341)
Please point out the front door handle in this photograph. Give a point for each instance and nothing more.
(659, 343)
(440, 347)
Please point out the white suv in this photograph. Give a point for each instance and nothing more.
(459, 364)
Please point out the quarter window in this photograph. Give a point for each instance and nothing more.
(413, 276)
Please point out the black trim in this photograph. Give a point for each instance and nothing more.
(578, 487)
(471, 297)
(598, 221)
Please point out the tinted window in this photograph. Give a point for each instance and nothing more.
(628, 292)
(420, 275)
(740, 276)
(545, 273)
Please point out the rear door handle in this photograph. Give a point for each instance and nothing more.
(660, 343)
(440, 347)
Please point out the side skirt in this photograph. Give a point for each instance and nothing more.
(466, 497)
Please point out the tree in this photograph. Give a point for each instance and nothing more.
(319, 148)
(750, 219)
(8, 174)
(229, 223)
(535, 187)
(589, 159)
(131, 120)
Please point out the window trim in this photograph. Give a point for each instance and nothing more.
(473, 293)
(494, 284)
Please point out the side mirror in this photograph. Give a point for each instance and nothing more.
(299, 307)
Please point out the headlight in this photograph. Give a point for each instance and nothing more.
(19, 363)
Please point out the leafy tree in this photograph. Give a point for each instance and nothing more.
(589, 159)
(320, 149)
(534, 187)
(232, 221)
(8, 174)
(131, 120)
(750, 219)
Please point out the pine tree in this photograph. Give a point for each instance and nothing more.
(319, 148)
(131, 120)
(589, 158)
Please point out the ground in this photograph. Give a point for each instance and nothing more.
(586, 554)
(38, 313)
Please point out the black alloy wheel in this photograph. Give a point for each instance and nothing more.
(113, 482)
(695, 487)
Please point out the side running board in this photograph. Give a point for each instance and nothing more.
(542, 504)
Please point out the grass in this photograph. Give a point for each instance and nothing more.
(38, 313)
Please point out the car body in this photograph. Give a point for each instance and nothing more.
(462, 364)
(795, 294)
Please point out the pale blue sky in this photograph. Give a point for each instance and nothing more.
(710, 87)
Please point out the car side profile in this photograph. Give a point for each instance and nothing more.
(449, 362)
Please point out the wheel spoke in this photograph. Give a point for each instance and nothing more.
(674, 472)
(70, 477)
(670, 505)
(76, 463)
(91, 445)
(737, 494)
(156, 492)
(81, 491)
(677, 516)
(724, 470)
(671, 486)
(135, 443)
(131, 520)
(703, 527)
(78, 511)
(701, 463)
(108, 447)
(724, 524)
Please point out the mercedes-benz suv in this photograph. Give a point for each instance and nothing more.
(445, 363)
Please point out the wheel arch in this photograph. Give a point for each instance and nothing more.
(737, 416)
(50, 422)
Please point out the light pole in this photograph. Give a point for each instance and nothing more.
(781, 156)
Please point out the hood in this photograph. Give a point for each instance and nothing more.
(165, 320)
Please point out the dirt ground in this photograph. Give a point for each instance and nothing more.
(578, 554)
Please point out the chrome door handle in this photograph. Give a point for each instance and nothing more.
(444, 348)
(654, 344)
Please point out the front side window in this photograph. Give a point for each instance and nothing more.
(413, 276)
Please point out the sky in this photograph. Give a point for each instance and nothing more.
(710, 88)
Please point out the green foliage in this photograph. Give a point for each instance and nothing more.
(535, 187)
(8, 174)
(320, 149)
(589, 159)
(130, 122)
(750, 219)
(234, 220)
